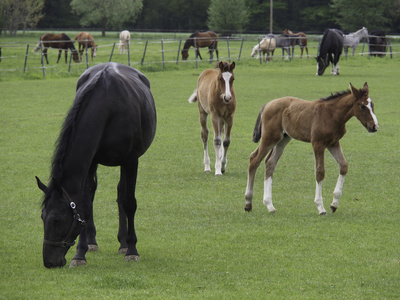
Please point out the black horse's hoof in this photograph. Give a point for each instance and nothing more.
(133, 257)
(93, 248)
(77, 262)
(122, 250)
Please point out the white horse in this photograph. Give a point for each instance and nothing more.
(352, 40)
(124, 38)
(267, 45)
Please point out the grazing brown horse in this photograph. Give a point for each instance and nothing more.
(321, 123)
(300, 39)
(85, 40)
(57, 41)
(200, 40)
(216, 97)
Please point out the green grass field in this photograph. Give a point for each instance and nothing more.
(195, 239)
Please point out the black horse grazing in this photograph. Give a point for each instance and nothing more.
(112, 122)
(377, 43)
(331, 44)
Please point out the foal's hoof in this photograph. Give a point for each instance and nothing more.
(93, 248)
(122, 250)
(248, 207)
(132, 258)
(77, 262)
(322, 213)
(333, 208)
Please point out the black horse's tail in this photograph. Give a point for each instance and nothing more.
(257, 127)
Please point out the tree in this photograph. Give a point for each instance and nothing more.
(17, 13)
(227, 16)
(355, 14)
(106, 14)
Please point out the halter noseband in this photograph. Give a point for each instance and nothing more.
(76, 217)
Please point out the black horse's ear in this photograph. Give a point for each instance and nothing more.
(41, 185)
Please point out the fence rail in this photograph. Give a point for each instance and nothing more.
(159, 52)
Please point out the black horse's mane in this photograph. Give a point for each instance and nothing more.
(68, 127)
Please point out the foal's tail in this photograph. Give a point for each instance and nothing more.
(193, 97)
(257, 127)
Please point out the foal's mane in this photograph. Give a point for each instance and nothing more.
(336, 95)
(341, 94)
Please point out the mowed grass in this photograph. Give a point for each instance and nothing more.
(195, 239)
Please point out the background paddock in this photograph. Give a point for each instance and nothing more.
(151, 52)
(195, 239)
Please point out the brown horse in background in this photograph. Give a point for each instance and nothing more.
(216, 97)
(57, 41)
(200, 40)
(85, 40)
(300, 39)
(321, 123)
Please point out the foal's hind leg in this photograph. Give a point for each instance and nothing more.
(204, 138)
(255, 159)
(270, 165)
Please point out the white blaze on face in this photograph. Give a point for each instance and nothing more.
(227, 76)
(369, 105)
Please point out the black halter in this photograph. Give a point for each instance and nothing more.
(76, 217)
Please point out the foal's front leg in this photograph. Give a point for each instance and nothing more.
(218, 129)
(319, 176)
(204, 138)
(337, 153)
(227, 142)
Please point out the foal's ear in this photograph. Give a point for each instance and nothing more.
(41, 185)
(356, 93)
(365, 87)
(232, 66)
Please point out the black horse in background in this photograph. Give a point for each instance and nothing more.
(112, 122)
(377, 43)
(331, 44)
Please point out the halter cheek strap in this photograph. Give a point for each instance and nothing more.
(76, 217)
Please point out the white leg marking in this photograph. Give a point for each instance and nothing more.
(207, 168)
(268, 194)
(249, 191)
(318, 199)
(337, 193)
(218, 159)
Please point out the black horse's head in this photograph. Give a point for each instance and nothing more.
(322, 64)
(62, 224)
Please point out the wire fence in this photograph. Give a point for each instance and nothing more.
(165, 53)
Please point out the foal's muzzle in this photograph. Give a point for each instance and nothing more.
(227, 100)
(372, 128)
